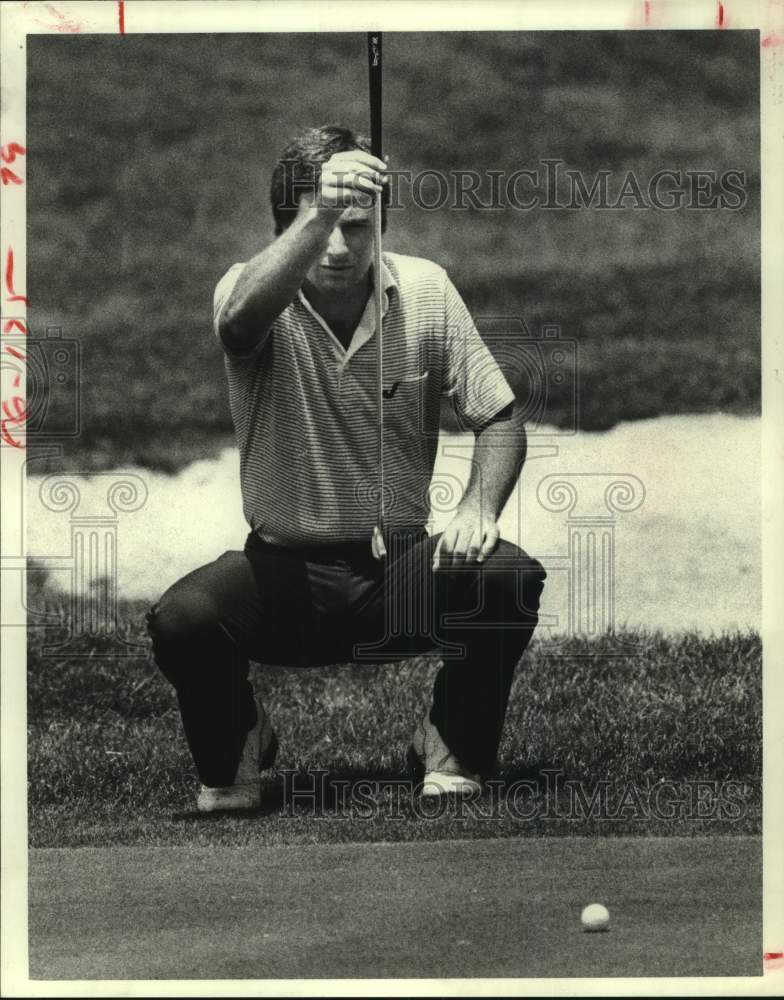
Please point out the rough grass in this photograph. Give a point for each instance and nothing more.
(149, 167)
(108, 762)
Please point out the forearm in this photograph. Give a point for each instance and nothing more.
(271, 279)
(499, 454)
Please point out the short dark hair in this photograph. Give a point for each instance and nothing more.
(299, 169)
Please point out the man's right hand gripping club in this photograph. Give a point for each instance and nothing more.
(351, 178)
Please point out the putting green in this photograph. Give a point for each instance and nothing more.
(490, 908)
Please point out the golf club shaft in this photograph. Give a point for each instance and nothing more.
(377, 291)
(374, 80)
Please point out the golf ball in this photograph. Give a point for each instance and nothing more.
(595, 917)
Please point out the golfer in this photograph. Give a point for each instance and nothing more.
(297, 331)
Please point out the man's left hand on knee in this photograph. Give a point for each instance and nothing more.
(470, 537)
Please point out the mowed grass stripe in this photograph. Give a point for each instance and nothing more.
(678, 907)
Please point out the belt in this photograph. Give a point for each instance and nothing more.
(358, 551)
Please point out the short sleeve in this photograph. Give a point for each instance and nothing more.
(473, 379)
(223, 290)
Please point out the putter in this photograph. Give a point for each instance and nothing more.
(374, 80)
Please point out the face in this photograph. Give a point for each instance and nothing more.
(348, 255)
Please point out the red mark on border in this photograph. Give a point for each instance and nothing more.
(121, 15)
(9, 280)
(720, 16)
(647, 12)
(19, 417)
(19, 406)
(9, 177)
(8, 153)
(9, 271)
(772, 40)
(14, 410)
(62, 23)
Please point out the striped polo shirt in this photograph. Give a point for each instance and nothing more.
(304, 408)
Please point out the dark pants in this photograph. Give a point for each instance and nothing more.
(312, 607)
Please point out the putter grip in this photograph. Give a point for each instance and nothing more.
(374, 79)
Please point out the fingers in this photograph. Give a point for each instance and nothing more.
(467, 547)
(370, 182)
(456, 545)
(442, 557)
(357, 178)
(378, 547)
(355, 164)
(359, 156)
(437, 553)
(345, 182)
(464, 544)
(350, 188)
(474, 545)
(352, 177)
(489, 543)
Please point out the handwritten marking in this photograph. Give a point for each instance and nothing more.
(720, 16)
(9, 279)
(9, 151)
(63, 23)
(13, 418)
(121, 15)
(14, 410)
(9, 177)
(8, 154)
(19, 323)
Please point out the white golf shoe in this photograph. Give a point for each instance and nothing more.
(444, 775)
(259, 753)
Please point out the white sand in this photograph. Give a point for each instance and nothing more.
(687, 557)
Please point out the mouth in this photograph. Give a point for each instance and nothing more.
(333, 267)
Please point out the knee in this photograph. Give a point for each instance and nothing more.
(182, 620)
(515, 576)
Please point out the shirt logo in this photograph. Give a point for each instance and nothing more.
(390, 392)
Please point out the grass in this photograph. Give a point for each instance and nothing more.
(149, 166)
(678, 907)
(108, 762)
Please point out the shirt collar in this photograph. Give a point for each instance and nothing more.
(388, 282)
(367, 324)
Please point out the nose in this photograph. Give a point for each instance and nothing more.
(337, 246)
